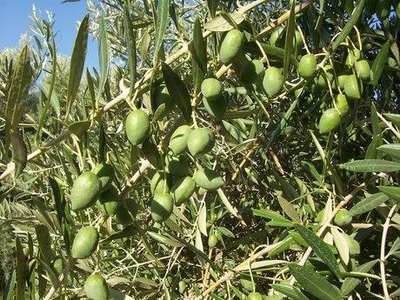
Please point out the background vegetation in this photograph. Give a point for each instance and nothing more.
(301, 214)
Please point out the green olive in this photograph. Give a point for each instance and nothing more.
(362, 69)
(178, 140)
(85, 242)
(96, 287)
(211, 88)
(330, 119)
(161, 207)
(307, 66)
(85, 190)
(273, 81)
(137, 126)
(352, 88)
(231, 45)
(343, 217)
(201, 141)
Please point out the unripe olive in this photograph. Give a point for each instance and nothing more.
(275, 35)
(330, 119)
(178, 140)
(200, 141)
(254, 296)
(208, 179)
(325, 77)
(159, 183)
(108, 201)
(341, 104)
(105, 172)
(308, 66)
(343, 217)
(273, 81)
(96, 287)
(362, 69)
(85, 242)
(352, 88)
(137, 126)
(162, 97)
(211, 88)
(212, 240)
(231, 45)
(176, 165)
(161, 207)
(85, 190)
(342, 80)
(182, 189)
(251, 70)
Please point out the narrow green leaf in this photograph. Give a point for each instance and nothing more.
(8, 293)
(350, 283)
(44, 241)
(178, 91)
(394, 118)
(221, 23)
(79, 128)
(368, 204)
(371, 165)
(54, 100)
(391, 191)
(341, 244)
(289, 38)
(130, 36)
(320, 248)
(379, 63)
(283, 246)
(17, 94)
(58, 199)
(90, 86)
(289, 209)
(290, 291)
(161, 26)
(199, 56)
(392, 150)
(269, 214)
(77, 62)
(21, 271)
(19, 153)
(349, 25)
(164, 240)
(314, 283)
(104, 60)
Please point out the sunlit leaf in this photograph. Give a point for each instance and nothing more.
(350, 283)
(77, 62)
(20, 153)
(391, 191)
(379, 63)
(368, 204)
(17, 93)
(371, 165)
(349, 25)
(314, 283)
(320, 248)
(178, 91)
(341, 245)
(392, 150)
(161, 26)
(104, 60)
(290, 291)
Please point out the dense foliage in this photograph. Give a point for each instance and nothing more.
(220, 150)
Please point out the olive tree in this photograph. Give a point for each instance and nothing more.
(221, 150)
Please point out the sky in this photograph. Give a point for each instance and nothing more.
(14, 21)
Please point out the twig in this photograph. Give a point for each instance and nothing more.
(383, 257)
